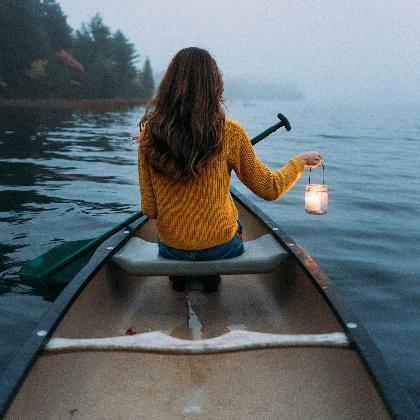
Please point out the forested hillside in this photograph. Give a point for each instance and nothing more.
(42, 57)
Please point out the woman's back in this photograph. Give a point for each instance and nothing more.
(199, 213)
(187, 150)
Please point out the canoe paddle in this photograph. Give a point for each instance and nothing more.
(60, 264)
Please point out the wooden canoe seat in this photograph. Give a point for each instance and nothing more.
(141, 258)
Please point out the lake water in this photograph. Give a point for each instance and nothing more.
(70, 175)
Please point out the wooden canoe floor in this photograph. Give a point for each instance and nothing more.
(283, 383)
(288, 383)
(276, 384)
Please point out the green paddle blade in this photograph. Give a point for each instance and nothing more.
(64, 275)
(60, 264)
(37, 270)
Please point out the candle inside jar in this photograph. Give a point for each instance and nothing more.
(316, 198)
(313, 201)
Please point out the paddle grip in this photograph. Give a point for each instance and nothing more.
(283, 122)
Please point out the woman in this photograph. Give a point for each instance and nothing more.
(187, 150)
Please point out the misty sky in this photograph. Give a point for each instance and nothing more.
(363, 50)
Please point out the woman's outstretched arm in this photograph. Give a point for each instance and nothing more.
(264, 182)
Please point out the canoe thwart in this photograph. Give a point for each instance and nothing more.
(161, 342)
(141, 258)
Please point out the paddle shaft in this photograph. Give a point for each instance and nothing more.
(97, 241)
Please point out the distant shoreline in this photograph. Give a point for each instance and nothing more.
(99, 104)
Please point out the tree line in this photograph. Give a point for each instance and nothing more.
(41, 56)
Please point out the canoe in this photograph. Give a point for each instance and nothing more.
(276, 340)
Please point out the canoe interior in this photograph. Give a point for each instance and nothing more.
(286, 383)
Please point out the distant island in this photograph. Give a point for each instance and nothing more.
(44, 61)
(241, 88)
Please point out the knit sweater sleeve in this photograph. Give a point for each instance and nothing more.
(264, 182)
(148, 200)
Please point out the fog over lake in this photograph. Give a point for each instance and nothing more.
(325, 50)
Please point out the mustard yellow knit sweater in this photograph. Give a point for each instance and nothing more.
(200, 213)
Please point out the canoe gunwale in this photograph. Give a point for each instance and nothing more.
(14, 375)
(396, 399)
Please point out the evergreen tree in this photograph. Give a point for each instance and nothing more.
(83, 45)
(94, 42)
(59, 74)
(148, 84)
(55, 23)
(86, 47)
(100, 33)
(124, 55)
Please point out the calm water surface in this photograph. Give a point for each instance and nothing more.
(69, 175)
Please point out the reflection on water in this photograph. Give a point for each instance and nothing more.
(67, 175)
(63, 175)
(23, 132)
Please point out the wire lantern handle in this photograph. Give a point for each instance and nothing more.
(323, 174)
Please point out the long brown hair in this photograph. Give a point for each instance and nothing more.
(184, 121)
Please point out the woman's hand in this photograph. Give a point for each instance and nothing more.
(311, 159)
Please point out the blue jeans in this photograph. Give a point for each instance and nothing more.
(229, 249)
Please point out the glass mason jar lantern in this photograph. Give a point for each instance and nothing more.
(316, 196)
